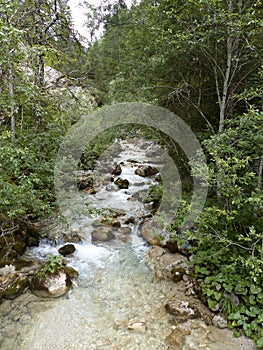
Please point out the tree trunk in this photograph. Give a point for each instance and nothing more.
(12, 104)
(223, 99)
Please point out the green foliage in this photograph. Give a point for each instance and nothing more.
(155, 194)
(227, 244)
(52, 266)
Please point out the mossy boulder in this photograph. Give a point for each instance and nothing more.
(52, 280)
(17, 287)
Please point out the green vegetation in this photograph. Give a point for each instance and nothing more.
(201, 60)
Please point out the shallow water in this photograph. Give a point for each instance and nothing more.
(114, 289)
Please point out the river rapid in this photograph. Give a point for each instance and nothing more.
(115, 291)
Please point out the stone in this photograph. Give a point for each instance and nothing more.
(72, 273)
(102, 234)
(125, 230)
(137, 326)
(122, 183)
(117, 169)
(85, 181)
(166, 265)
(176, 339)
(219, 321)
(182, 311)
(49, 284)
(177, 273)
(129, 220)
(16, 287)
(67, 249)
(146, 171)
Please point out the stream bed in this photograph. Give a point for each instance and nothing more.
(116, 302)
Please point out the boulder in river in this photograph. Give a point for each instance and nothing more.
(122, 183)
(67, 249)
(102, 234)
(52, 280)
(146, 171)
(117, 169)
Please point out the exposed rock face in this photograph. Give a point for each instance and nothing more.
(122, 183)
(102, 234)
(67, 249)
(146, 171)
(182, 311)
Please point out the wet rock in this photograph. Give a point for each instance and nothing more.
(47, 284)
(167, 266)
(74, 236)
(102, 234)
(107, 221)
(125, 230)
(176, 339)
(133, 161)
(67, 249)
(182, 311)
(219, 321)
(116, 170)
(129, 220)
(137, 326)
(146, 171)
(147, 232)
(122, 183)
(85, 181)
(16, 287)
(72, 273)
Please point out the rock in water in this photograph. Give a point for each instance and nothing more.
(117, 169)
(51, 284)
(67, 249)
(102, 234)
(122, 183)
(146, 171)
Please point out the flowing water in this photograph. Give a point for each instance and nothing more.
(114, 290)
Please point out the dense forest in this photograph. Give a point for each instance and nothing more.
(199, 59)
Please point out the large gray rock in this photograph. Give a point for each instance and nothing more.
(102, 234)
